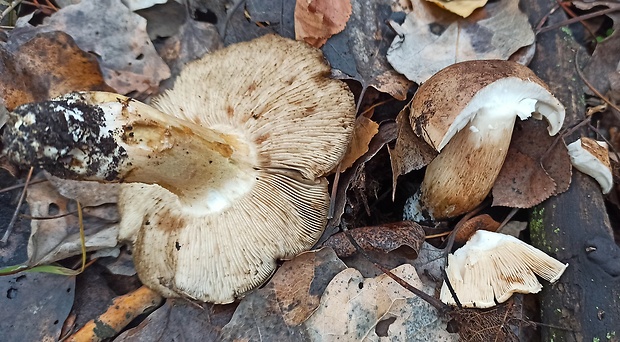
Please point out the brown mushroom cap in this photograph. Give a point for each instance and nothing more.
(467, 112)
(445, 103)
(492, 266)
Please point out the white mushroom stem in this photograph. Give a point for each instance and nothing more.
(110, 137)
(462, 175)
(591, 157)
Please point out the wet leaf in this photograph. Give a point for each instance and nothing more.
(34, 306)
(359, 51)
(275, 312)
(47, 65)
(181, 320)
(383, 238)
(532, 171)
(431, 38)
(318, 20)
(374, 309)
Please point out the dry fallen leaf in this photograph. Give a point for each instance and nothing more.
(58, 238)
(431, 38)
(524, 180)
(410, 151)
(363, 132)
(383, 238)
(118, 37)
(275, 312)
(464, 8)
(376, 309)
(317, 20)
(47, 65)
(359, 51)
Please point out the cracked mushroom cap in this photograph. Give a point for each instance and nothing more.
(450, 99)
(492, 266)
(222, 178)
(592, 158)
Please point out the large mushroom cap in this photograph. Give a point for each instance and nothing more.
(450, 99)
(275, 95)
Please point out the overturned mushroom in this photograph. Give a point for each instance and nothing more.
(467, 112)
(592, 158)
(492, 266)
(222, 178)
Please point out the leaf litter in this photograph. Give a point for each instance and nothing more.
(308, 293)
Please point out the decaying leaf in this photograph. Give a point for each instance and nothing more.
(359, 51)
(57, 238)
(464, 8)
(34, 305)
(410, 151)
(376, 309)
(164, 20)
(275, 312)
(135, 5)
(431, 38)
(383, 238)
(108, 29)
(365, 129)
(317, 20)
(484, 222)
(532, 172)
(46, 65)
(181, 320)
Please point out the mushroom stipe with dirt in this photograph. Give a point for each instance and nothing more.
(222, 176)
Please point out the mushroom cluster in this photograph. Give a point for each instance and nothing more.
(467, 112)
(223, 176)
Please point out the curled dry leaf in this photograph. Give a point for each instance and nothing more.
(118, 37)
(480, 222)
(535, 168)
(359, 51)
(317, 20)
(410, 151)
(464, 8)
(363, 132)
(58, 238)
(430, 39)
(384, 238)
(47, 65)
(374, 309)
(276, 312)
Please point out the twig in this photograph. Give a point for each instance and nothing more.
(10, 8)
(436, 303)
(576, 19)
(9, 229)
(17, 186)
(594, 90)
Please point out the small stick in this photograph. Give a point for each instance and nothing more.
(9, 229)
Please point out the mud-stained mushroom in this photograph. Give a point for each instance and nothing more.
(222, 178)
(492, 266)
(467, 112)
(592, 158)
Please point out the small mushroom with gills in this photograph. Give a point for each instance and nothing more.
(222, 177)
(492, 266)
(467, 112)
(592, 158)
